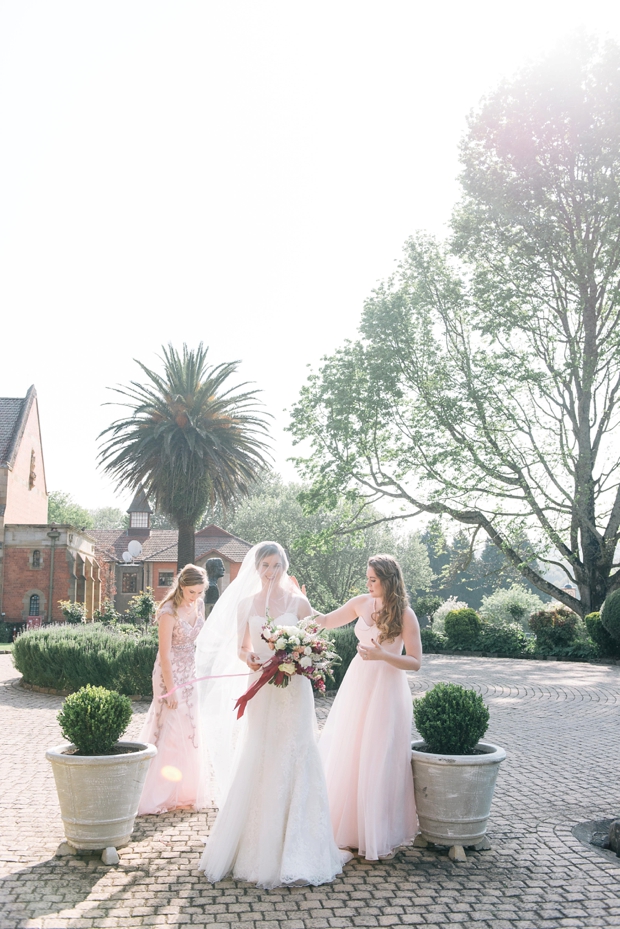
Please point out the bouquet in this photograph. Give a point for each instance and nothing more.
(305, 649)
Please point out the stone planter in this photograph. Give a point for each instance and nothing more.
(453, 795)
(99, 795)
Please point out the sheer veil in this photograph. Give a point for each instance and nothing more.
(217, 649)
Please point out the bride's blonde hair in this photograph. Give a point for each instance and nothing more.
(189, 576)
(389, 619)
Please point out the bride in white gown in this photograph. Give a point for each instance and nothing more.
(273, 825)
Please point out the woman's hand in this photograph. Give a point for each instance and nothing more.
(253, 661)
(374, 653)
(172, 702)
(296, 583)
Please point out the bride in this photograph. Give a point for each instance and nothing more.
(273, 826)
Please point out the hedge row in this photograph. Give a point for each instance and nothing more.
(69, 657)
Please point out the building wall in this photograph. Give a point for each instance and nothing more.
(76, 575)
(153, 571)
(26, 504)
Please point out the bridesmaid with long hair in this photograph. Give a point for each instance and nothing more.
(366, 741)
(174, 778)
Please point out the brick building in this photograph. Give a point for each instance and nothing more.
(40, 563)
(156, 566)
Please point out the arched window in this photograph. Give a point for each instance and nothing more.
(34, 609)
(36, 559)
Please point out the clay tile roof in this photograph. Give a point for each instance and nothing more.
(161, 545)
(111, 543)
(13, 417)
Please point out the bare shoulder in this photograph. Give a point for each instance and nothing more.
(410, 619)
(360, 601)
(303, 607)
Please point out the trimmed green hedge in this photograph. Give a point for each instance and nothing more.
(345, 643)
(69, 657)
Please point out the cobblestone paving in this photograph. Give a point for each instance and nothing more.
(558, 723)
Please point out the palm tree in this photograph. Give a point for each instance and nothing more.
(190, 440)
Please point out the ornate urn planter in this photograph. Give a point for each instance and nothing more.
(99, 795)
(453, 795)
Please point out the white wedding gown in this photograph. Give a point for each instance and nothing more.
(274, 826)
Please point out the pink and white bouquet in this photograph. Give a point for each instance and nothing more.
(304, 649)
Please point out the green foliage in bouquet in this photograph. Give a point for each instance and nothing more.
(451, 719)
(94, 719)
(462, 627)
(610, 615)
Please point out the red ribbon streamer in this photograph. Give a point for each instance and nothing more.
(268, 673)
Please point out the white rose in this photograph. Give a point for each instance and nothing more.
(305, 662)
(280, 643)
(307, 650)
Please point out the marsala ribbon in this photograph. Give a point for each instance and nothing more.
(267, 674)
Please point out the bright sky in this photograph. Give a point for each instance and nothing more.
(239, 172)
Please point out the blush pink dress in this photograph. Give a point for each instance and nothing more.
(174, 779)
(366, 751)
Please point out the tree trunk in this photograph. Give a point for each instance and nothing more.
(186, 545)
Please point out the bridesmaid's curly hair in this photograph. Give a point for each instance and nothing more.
(389, 619)
(189, 576)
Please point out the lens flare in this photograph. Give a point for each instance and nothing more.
(170, 773)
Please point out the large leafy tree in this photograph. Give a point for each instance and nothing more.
(485, 383)
(190, 440)
(333, 567)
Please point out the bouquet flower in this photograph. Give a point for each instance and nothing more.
(305, 649)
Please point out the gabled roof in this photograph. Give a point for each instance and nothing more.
(14, 412)
(161, 545)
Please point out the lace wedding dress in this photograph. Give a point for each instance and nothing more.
(274, 826)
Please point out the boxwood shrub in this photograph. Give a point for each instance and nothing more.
(451, 719)
(608, 646)
(94, 719)
(70, 657)
(462, 627)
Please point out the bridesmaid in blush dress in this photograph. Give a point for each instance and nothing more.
(366, 741)
(174, 778)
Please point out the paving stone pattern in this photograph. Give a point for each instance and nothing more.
(557, 721)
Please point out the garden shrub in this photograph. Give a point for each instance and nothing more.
(462, 627)
(555, 629)
(506, 641)
(610, 615)
(439, 616)
(107, 614)
(608, 646)
(433, 642)
(451, 719)
(345, 644)
(505, 607)
(94, 719)
(69, 657)
(73, 612)
(141, 607)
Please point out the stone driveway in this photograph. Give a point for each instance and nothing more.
(559, 723)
